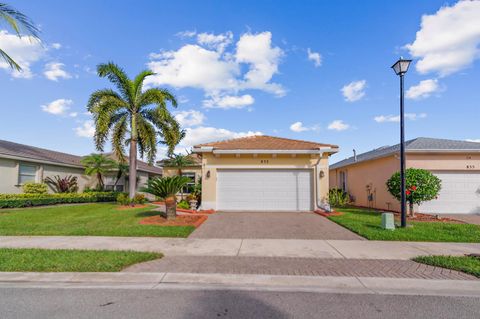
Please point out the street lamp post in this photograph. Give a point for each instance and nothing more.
(401, 67)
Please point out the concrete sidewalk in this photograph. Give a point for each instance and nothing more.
(350, 249)
(345, 285)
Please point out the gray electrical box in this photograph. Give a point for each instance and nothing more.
(388, 221)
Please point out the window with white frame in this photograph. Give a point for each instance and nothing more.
(343, 180)
(190, 185)
(26, 173)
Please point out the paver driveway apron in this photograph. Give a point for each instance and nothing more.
(272, 225)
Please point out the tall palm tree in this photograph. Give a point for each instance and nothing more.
(19, 23)
(133, 117)
(98, 165)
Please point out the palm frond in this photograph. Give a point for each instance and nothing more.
(158, 97)
(119, 78)
(137, 83)
(11, 63)
(147, 139)
(18, 21)
(118, 137)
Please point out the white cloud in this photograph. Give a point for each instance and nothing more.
(423, 89)
(56, 46)
(186, 34)
(73, 114)
(448, 40)
(396, 118)
(215, 41)
(203, 134)
(190, 118)
(228, 101)
(25, 51)
(57, 107)
(87, 129)
(209, 65)
(354, 91)
(298, 127)
(338, 125)
(477, 140)
(315, 57)
(54, 71)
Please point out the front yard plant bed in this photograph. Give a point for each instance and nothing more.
(27, 200)
(367, 223)
(466, 264)
(99, 219)
(49, 260)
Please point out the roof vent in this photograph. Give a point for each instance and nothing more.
(354, 155)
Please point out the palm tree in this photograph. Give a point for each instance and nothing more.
(179, 161)
(98, 165)
(20, 23)
(131, 111)
(122, 170)
(167, 188)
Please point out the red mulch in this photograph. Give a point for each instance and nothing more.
(326, 214)
(124, 207)
(419, 217)
(190, 211)
(181, 220)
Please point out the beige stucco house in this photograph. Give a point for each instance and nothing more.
(264, 173)
(21, 163)
(456, 163)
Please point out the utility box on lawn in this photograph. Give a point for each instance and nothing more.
(387, 221)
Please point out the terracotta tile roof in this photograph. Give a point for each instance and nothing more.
(264, 142)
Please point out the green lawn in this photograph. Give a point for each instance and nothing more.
(469, 265)
(99, 219)
(367, 224)
(46, 260)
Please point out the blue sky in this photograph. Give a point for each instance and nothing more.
(313, 70)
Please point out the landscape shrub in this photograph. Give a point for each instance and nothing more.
(34, 188)
(123, 199)
(139, 199)
(183, 204)
(27, 200)
(337, 197)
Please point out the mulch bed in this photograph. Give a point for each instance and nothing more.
(419, 217)
(326, 214)
(181, 220)
(189, 211)
(125, 207)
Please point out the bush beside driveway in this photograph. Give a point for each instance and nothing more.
(367, 223)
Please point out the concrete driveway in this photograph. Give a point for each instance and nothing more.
(282, 225)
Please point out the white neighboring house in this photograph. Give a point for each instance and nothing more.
(21, 163)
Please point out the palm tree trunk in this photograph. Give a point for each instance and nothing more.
(181, 191)
(412, 213)
(132, 176)
(171, 207)
(100, 181)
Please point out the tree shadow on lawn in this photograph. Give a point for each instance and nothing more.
(148, 213)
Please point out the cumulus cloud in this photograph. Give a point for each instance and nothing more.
(190, 118)
(54, 71)
(57, 107)
(228, 101)
(298, 127)
(354, 91)
(87, 129)
(476, 140)
(338, 125)
(423, 89)
(219, 68)
(25, 51)
(56, 46)
(448, 40)
(396, 118)
(315, 57)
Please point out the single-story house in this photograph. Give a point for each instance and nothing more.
(456, 163)
(21, 163)
(194, 171)
(264, 173)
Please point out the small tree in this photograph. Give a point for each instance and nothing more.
(98, 165)
(421, 186)
(167, 188)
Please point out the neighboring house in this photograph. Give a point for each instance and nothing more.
(21, 163)
(456, 163)
(194, 172)
(264, 173)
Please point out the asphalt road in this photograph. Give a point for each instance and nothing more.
(53, 303)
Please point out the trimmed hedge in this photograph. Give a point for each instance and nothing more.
(27, 200)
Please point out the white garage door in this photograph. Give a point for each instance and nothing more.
(460, 194)
(264, 190)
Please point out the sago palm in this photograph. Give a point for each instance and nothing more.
(98, 165)
(133, 116)
(19, 23)
(167, 188)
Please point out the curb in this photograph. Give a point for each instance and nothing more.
(345, 285)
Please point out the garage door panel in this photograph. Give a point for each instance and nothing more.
(267, 190)
(460, 194)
